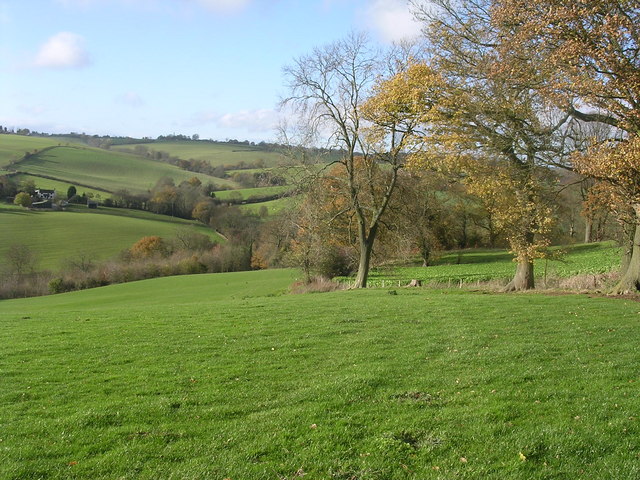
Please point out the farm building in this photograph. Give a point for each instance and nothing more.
(44, 194)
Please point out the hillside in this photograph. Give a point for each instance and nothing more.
(214, 153)
(14, 147)
(222, 376)
(100, 234)
(104, 169)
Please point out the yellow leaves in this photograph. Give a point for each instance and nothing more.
(617, 162)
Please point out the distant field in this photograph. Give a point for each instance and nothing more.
(214, 153)
(13, 147)
(101, 233)
(105, 169)
(468, 266)
(223, 376)
(273, 206)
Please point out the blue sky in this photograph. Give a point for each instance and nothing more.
(155, 67)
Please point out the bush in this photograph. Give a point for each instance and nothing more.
(333, 262)
(60, 285)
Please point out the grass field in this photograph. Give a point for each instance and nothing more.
(101, 233)
(465, 267)
(245, 193)
(273, 206)
(214, 153)
(105, 169)
(222, 376)
(13, 147)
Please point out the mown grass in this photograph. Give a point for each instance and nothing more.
(108, 170)
(468, 266)
(98, 234)
(214, 153)
(221, 376)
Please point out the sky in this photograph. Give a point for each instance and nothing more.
(146, 68)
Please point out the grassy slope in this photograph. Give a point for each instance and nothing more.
(105, 169)
(13, 147)
(216, 376)
(214, 153)
(102, 233)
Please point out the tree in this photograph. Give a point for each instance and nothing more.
(496, 131)
(20, 260)
(23, 199)
(149, 247)
(332, 92)
(28, 186)
(71, 192)
(8, 188)
(593, 48)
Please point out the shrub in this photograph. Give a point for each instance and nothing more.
(148, 247)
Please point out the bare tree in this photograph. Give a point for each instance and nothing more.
(337, 97)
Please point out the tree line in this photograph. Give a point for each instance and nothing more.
(496, 99)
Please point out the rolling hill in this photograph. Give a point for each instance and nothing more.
(100, 234)
(213, 152)
(103, 169)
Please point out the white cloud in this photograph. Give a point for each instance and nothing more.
(131, 98)
(262, 120)
(63, 50)
(392, 20)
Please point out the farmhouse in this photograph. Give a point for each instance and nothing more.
(44, 194)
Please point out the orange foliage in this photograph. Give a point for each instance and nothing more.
(148, 247)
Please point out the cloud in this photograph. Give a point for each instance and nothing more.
(392, 20)
(63, 50)
(262, 120)
(131, 98)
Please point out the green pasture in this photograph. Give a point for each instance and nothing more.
(246, 193)
(14, 147)
(60, 187)
(100, 233)
(225, 376)
(214, 153)
(469, 266)
(105, 169)
(273, 206)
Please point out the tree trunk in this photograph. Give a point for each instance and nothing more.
(425, 253)
(366, 247)
(523, 280)
(588, 223)
(628, 232)
(630, 281)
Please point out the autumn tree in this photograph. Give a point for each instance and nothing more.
(497, 132)
(592, 46)
(149, 247)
